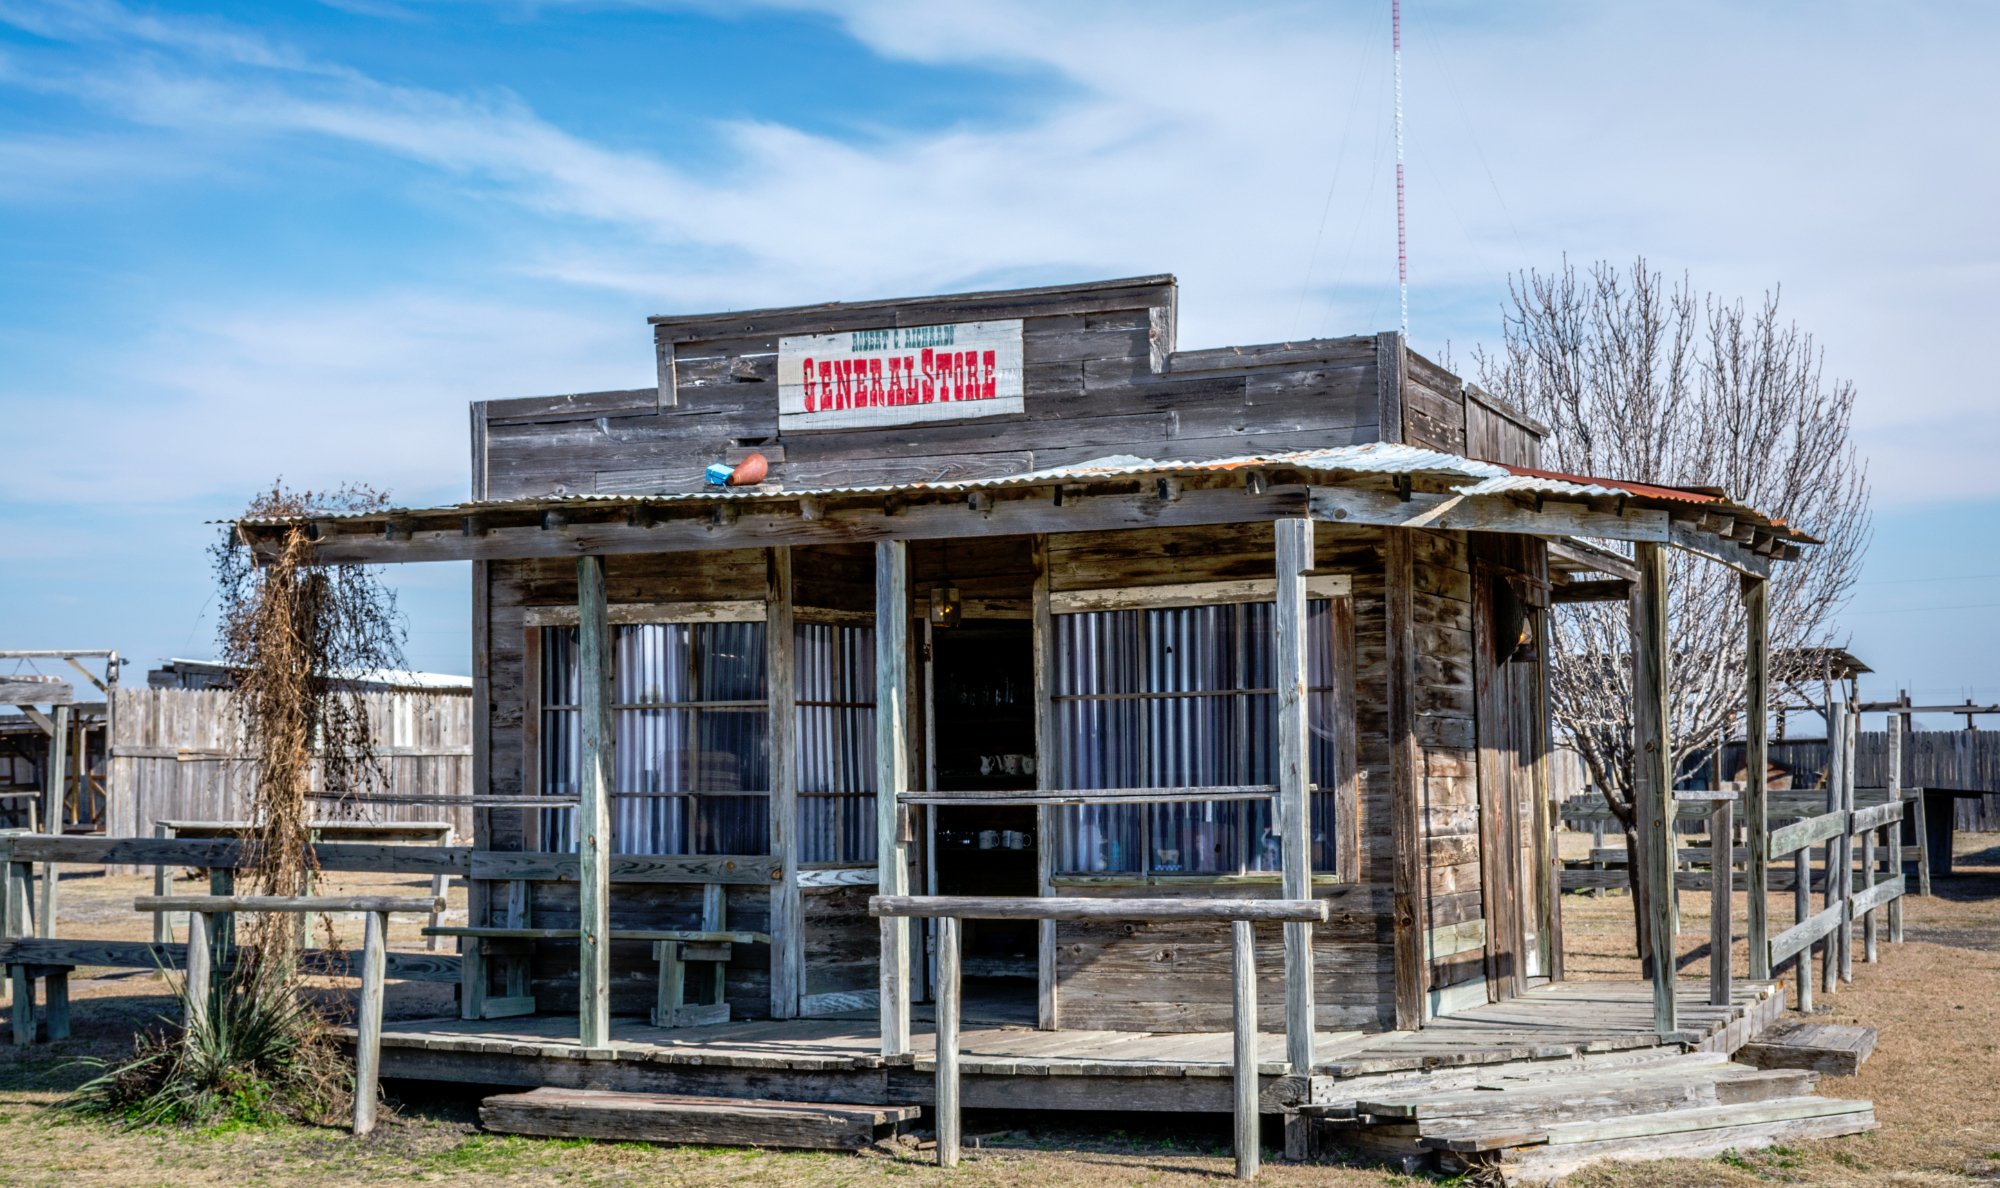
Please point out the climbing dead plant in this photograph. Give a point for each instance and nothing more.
(298, 639)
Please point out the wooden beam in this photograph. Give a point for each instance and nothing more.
(1722, 843)
(892, 705)
(1895, 834)
(25, 693)
(1484, 513)
(788, 950)
(1610, 590)
(593, 816)
(1582, 555)
(1071, 907)
(1757, 757)
(1653, 783)
(1688, 538)
(52, 816)
(1289, 675)
(1048, 776)
(1405, 766)
(947, 1041)
(812, 520)
(1243, 999)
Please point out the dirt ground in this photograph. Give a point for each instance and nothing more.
(1934, 1079)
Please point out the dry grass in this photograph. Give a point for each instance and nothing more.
(1935, 1081)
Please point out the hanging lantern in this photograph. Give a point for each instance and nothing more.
(946, 609)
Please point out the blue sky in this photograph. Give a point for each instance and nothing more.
(245, 240)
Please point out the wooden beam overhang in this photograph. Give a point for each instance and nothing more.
(1080, 503)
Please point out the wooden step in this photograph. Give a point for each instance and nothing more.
(1673, 1134)
(1831, 1049)
(675, 1118)
(1597, 1098)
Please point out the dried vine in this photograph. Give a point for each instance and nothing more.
(298, 638)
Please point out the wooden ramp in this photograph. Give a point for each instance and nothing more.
(703, 1121)
(1536, 1122)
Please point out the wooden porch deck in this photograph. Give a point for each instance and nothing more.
(1011, 1066)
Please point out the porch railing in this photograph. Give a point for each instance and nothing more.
(1240, 914)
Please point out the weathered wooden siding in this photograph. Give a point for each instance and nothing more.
(1101, 378)
(1448, 783)
(179, 754)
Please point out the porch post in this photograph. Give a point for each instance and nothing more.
(892, 703)
(787, 941)
(1756, 762)
(593, 811)
(1652, 784)
(1408, 904)
(1294, 808)
(57, 772)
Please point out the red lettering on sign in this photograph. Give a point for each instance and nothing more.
(876, 395)
(989, 385)
(811, 386)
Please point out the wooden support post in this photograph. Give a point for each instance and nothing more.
(947, 1041)
(1844, 739)
(1893, 835)
(1871, 865)
(1048, 774)
(200, 968)
(1905, 773)
(593, 815)
(1757, 759)
(1830, 861)
(23, 978)
(1653, 783)
(1802, 969)
(1722, 898)
(1243, 968)
(1289, 675)
(163, 929)
(892, 703)
(1406, 820)
(368, 1022)
(52, 816)
(788, 953)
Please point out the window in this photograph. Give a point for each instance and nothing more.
(836, 716)
(1183, 697)
(690, 735)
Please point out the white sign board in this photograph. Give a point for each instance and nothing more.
(903, 375)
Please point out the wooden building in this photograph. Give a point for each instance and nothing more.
(1016, 598)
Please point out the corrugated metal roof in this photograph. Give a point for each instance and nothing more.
(1372, 458)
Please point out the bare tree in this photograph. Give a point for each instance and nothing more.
(1644, 380)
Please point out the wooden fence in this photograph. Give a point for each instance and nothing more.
(178, 755)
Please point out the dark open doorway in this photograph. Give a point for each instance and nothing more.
(983, 724)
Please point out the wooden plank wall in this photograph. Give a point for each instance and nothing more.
(1446, 735)
(1176, 977)
(1101, 378)
(1936, 758)
(179, 755)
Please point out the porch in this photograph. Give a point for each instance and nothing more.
(1006, 1063)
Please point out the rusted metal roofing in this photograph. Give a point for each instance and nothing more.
(1466, 476)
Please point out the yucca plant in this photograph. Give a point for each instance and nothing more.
(263, 1052)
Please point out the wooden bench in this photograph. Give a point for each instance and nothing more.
(711, 942)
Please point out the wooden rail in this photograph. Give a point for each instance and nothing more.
(1240, 914)
(203, 926)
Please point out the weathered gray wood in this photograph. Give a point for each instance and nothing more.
(717, 936)
(1875, 817)
(982, 907)
(118, 954)
(1289, 675)
(1801, 834)
(14, 691)
(284, 903)
(1405, 795)
(593, 818)
(1484, 513)
(1722, 837)
(200, 965)
(1800, 937)
(162, 926)
(1802, 975)
(1243, 1005)
(208, 854)
(892, 707)
(1651, 770)
(787, 928)
(1840, 851)
(1061, 796)
(709, 1121)
(23, 1007)
(1894, 835)
(1048, 764)
(1830, 1049)
(52, 817)
(1886, 891)
(1870, 926)
(368, 1021)
(735, 869)
(948, 1006)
